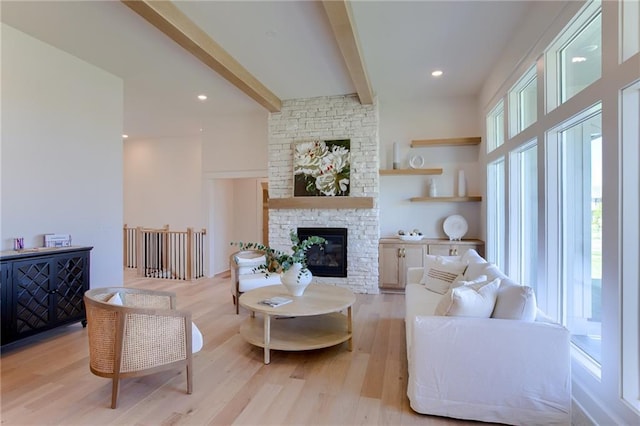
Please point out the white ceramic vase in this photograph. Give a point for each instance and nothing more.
(294, 281)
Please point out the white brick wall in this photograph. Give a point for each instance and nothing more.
(325, 118)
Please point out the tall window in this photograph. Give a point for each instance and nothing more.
(630, 19)
(495, 127)
(523, 219)
(496, 243)
(578, 161)
(630, 245)
(523, 103)
(574, 60)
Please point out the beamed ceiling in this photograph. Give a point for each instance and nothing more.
(248, 56)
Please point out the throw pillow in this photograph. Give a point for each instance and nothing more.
(196, 335)
(256, 260)
(472, 256)
(515, 301)
(475, 300)
(440, 273)
(248, 265)
(460, 281)
(115, 300)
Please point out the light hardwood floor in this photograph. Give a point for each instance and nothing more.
(46, 379)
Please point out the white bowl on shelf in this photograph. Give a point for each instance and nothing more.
(410, 237)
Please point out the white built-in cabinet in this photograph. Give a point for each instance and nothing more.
(395, 256)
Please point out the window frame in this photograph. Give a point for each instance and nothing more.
(516, 124)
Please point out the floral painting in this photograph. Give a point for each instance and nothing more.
(321, 168)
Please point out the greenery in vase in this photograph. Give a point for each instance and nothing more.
(280, 261)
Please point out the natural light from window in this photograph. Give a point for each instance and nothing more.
(523, 221)
(496, 213)
(580, 168)
(495, 127)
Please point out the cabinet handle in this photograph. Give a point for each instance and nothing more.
(453, 251)
(401, 252)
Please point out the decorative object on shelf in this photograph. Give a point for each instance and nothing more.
(280, 262)
(455, 226)
(414, 235)
(416, 161)
(396, 155)
(321, 168)
(18, 243)
(433, 190)
(462, 184)
(57, 240)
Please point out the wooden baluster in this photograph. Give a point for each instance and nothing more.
(189, 276)
(139, 250)
(125, 246)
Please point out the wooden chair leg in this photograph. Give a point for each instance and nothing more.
(189, 377)
(114, 391)
(237, 299)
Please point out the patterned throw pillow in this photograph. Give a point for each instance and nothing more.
(440, 273)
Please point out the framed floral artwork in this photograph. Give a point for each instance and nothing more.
(321, 168)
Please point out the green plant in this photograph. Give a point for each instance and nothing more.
(280, 261)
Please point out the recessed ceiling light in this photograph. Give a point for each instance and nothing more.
(202, 97)
(577, 59)
(125, 136)
(437, 73)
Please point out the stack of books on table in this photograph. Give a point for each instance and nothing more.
(276, 301)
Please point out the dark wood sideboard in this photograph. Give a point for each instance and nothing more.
(41, 289)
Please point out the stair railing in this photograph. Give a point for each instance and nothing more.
(162, 253)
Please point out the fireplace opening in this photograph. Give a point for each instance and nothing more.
(330, 259)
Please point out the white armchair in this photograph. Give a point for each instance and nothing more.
(244, 277)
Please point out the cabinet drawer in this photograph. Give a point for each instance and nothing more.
(451, 249)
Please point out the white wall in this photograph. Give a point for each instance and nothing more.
(61, 152)
(163, 183)
(429, 119)
(235, 143)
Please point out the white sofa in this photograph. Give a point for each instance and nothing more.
(510, 371)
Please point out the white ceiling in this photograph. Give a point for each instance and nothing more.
(287, 45)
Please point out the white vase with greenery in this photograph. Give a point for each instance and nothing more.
(292, 267)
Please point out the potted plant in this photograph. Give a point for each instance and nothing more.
(292, 266)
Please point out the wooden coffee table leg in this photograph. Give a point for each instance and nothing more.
(267, 338)
(350, 329)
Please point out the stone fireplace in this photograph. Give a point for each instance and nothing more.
(325, 118)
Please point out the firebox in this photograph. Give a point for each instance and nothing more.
(330, 259)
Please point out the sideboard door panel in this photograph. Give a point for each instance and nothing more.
(31, 295)
(71, 285)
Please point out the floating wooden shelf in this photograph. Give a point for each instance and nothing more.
(445, 199)
(321, 203)
(445, 142)
(412, 172)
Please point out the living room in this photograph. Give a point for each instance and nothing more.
(76, 169)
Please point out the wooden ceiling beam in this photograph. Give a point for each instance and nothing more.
(166, 17)
(341, 20)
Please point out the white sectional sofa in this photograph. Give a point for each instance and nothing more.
(512, 371)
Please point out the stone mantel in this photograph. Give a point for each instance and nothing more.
(321, 203)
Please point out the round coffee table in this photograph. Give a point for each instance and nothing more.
(311, 321)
